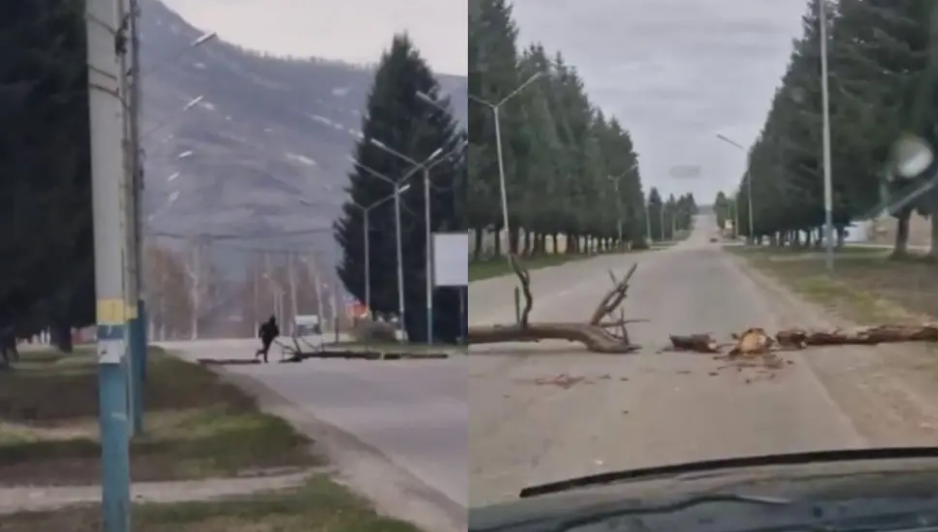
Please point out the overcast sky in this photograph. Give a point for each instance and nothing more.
(675, 73)
(352, 30)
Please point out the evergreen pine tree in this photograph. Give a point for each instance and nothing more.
(399, 120)
(45, 154)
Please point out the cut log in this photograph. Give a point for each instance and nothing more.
(698, 343)
(593, 337)
(752, 341)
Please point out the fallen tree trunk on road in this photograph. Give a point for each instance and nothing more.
(880, 334)
(597, 335)
(603, 333)
(755, 341)
(594, 338)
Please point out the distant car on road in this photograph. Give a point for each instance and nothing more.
(713, 239)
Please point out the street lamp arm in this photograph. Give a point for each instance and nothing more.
(521, 87)
(375, 173)
(730, 142)
(483, 102)
(173, 56)
(427, 99)
(387, 149)
(402, 185)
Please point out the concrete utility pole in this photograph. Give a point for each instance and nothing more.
(127, 206)
(139, 340)
(136, 321)
(107, 110)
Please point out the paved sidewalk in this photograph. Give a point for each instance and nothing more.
(39, 498)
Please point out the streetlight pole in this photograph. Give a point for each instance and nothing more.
(828, 180)
(648, 221)
(401, 307)
(366, 236)
(746, 179)
(398, 189)
(428, 237)
(736, 217)
(495, 107)
(616, 180)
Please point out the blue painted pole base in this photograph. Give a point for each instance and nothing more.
(112, 417)
(145, 327)
(138, 352)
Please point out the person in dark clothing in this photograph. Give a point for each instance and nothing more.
(268, 333)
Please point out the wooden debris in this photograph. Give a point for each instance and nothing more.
(698, 343)
(752, 341)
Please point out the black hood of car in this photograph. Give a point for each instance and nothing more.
(829, 475)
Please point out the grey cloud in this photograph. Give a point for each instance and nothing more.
(675, 72)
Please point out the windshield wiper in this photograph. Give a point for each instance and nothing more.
(842, 455)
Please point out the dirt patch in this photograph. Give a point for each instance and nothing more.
(197, 425)
(319, 506)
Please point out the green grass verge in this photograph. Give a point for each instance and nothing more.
(197, 426)
(867, 286)
(498, 266)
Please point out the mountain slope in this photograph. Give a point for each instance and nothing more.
(267, 132)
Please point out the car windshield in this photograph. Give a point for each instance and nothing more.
(698, 230)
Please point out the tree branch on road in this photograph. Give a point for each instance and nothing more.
(594, 334)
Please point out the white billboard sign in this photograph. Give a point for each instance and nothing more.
(451, 259)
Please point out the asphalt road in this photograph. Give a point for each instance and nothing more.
(414, 412)
(649, 408)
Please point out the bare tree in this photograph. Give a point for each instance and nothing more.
(252, 293)
(167, 289)
(204, 286)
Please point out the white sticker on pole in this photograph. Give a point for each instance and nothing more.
(111, 351)
(451, 259)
